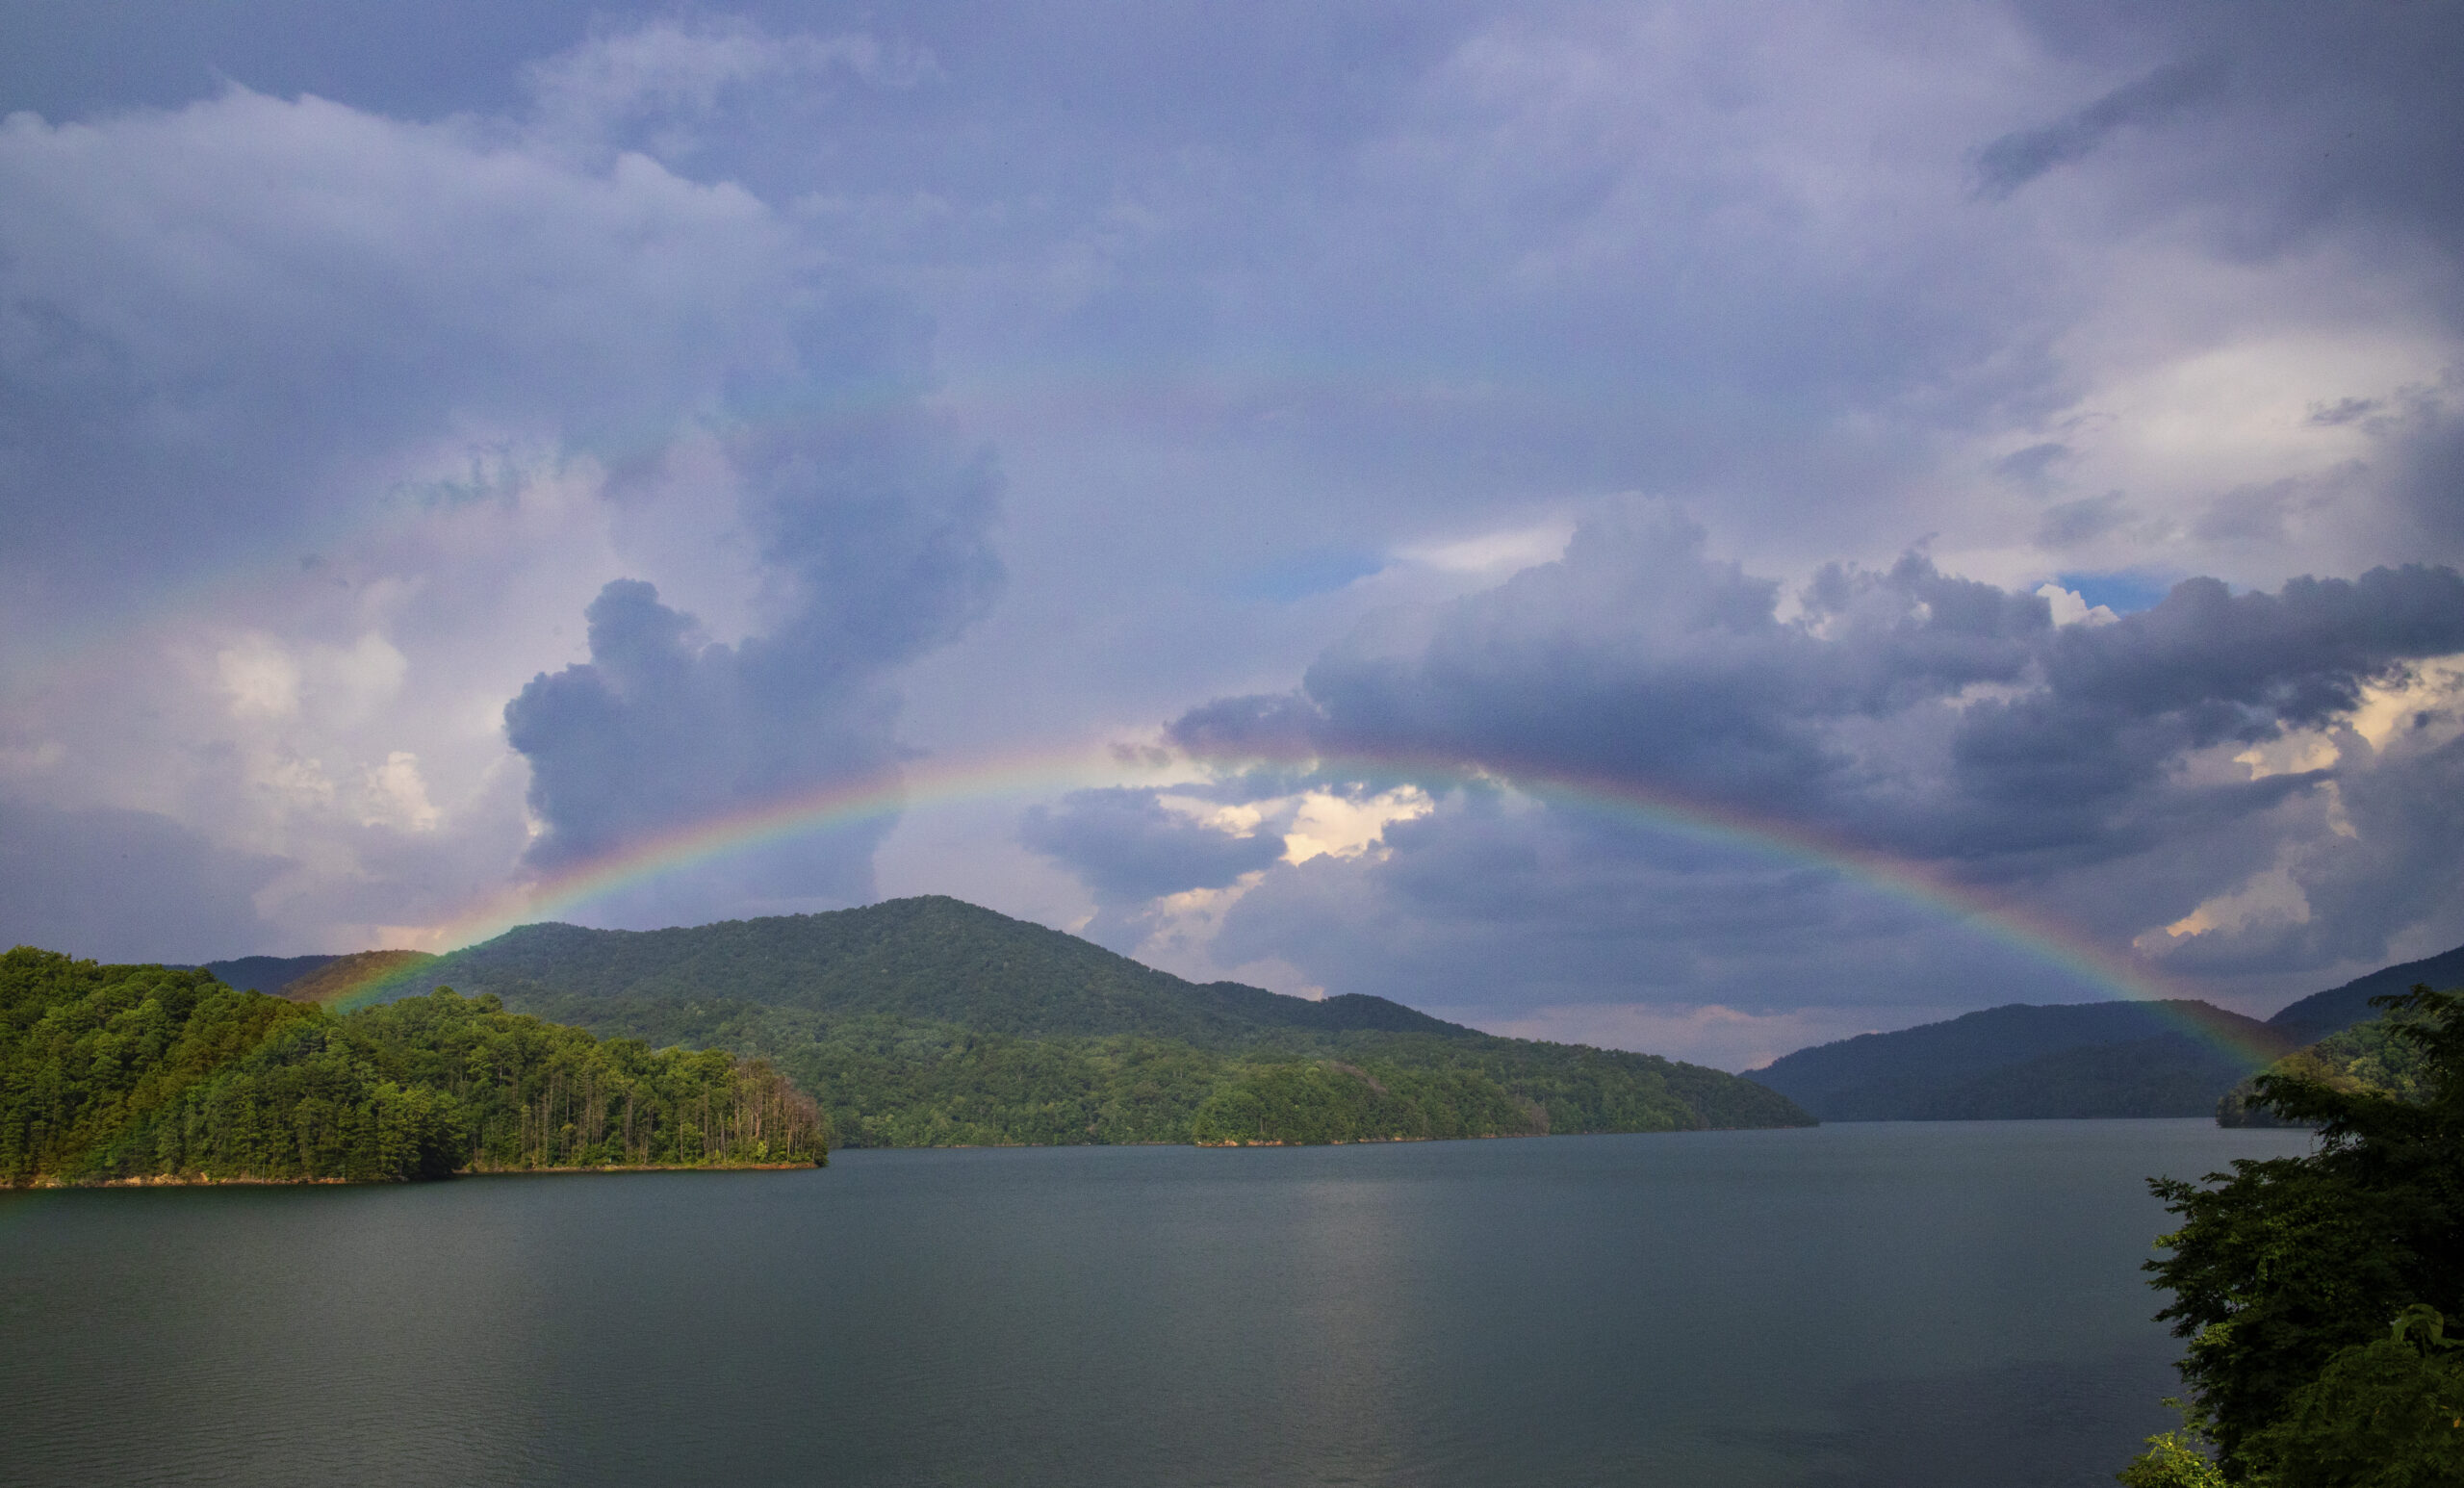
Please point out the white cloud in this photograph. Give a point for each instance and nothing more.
(2070, 609)
(259, 677)
(1495, 553)
(2271, 897)
(397, 796)
(1346, 826)
(672, 77)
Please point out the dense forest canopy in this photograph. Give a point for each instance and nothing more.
(930, 958)
(900, 1081)
(2369, 1056)
(2021, 1062)
(2315, 1291)
(932, 1022)
(143, 1072)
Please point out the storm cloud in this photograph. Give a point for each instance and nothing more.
(871, 537)
(2131, 767)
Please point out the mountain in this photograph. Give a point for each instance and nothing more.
(933, 959)
(342, 975)
(265, 973)
(2097, 1058)
(2320, 1014)
(931, 1021)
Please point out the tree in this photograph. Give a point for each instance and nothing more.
(2288, 1273)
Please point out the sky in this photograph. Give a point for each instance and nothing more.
(1705, 528)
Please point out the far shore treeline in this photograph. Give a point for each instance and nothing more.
(151, 1074)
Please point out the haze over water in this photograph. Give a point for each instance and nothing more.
(1903, 1304)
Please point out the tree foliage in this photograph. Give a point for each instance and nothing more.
(2368, 1056)
(932, 1021)
(141, 1072)
(2287, 1273)
(2389, 1414)
(1329, 1101)
(898, 1082)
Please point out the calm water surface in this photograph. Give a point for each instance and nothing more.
(1890, 1304)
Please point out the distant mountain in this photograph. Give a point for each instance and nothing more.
(269, 974)
(2320, 1014)
(2097, 1058)
(340, 975)
(931, 1021)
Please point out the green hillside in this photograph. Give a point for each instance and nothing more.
(931, 1022)
(147, 1073)
(930, 959)
(2367, 1057)
(2320, 1014)
(266, 973)
(2097, 1058)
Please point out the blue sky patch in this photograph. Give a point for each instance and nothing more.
(1303, 574)
(2121, 593)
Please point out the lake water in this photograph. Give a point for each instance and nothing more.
(1886, 1304)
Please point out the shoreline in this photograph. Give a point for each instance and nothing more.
(203, 1181)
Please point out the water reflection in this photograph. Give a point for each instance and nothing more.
(1848, 1306)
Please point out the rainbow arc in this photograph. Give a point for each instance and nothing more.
(848, 802)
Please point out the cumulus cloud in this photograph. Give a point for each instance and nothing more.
(1129, 847)
(383, 404)
(870, 529)
(2127, 770)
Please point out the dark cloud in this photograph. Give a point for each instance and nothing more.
(1638, 657)
(1503, 906)
(1129, 848)
(872, 533)
(2073, 523)
(1131, 851)
(117, 885)
(2283, 121)
(2032, 467)
(2020, 156)
(1908, 711)
(2421, 445)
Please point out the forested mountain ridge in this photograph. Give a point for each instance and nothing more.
(2099, 1059)
(2320, 1014)
(158, 1074)
(931, 958)
(343, 975)
(263, 973)
(929, 1021)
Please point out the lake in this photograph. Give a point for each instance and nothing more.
(1900, 1304)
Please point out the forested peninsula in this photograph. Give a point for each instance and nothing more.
(933, 1022)
(148, 1074)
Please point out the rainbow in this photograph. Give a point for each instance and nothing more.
(850, 803)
